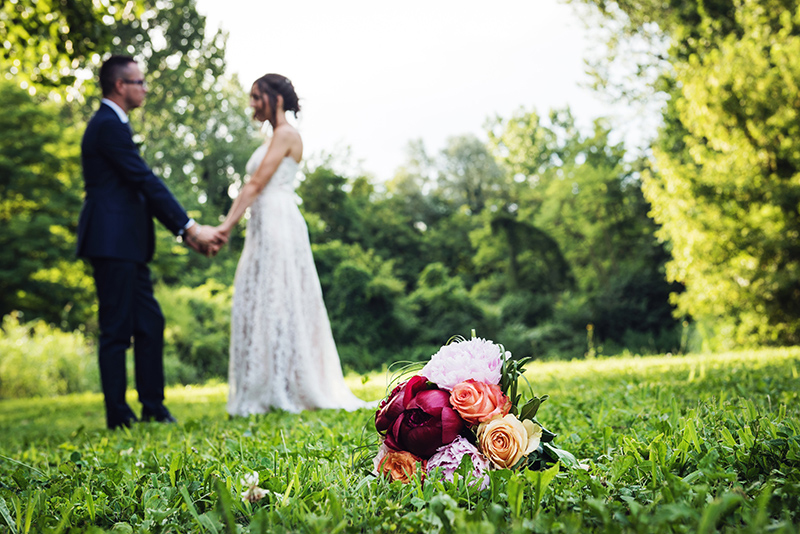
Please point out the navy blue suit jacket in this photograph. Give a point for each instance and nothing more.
(122, 195)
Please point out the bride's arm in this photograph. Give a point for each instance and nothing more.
(278, 149)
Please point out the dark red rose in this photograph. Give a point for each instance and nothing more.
(417, 417)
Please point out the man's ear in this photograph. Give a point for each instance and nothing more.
(118, 83)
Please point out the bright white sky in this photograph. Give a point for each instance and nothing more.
(373, 75)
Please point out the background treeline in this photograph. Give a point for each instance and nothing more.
(549, 239)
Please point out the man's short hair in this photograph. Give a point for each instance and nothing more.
(111, 71)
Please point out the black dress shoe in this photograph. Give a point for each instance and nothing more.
(124, 423)
(165, 417)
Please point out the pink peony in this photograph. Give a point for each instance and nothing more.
(448, 458)
(478, 359)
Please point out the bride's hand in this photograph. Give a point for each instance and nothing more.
(207, 240)
(223, 233)
(220, 237)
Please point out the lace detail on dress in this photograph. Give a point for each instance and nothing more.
(282, 351)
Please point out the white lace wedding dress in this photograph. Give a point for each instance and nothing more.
(282, 352)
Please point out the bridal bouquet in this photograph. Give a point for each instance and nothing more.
(463, 403)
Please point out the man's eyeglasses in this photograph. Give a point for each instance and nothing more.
(135, 82)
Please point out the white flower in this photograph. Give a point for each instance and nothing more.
(253, 493)
(479, 359)
(139, 464)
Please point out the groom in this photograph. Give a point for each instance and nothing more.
(116, 233)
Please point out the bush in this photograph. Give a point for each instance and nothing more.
(198, 331)
(368, 313)
(444, 307)
(37, 359)
(359, 359)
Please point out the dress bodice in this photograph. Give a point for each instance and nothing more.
(285, 175)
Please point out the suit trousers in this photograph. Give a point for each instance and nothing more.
(129, 312)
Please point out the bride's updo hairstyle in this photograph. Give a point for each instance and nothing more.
(273, 85)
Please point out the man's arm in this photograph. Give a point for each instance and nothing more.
(116, 143)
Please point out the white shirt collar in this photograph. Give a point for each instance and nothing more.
(118, 110)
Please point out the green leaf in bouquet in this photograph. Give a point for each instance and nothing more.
(547, 436)
(565, 457)
(510, 374)
(522, 362)
(528, 411)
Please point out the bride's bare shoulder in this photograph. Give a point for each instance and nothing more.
(286, 130)
(290, 138)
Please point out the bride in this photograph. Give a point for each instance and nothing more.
(282, 353)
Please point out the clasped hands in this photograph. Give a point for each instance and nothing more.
(205, 239)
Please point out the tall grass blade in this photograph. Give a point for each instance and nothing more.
(7, 516)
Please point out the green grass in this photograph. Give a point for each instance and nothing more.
(700, 443)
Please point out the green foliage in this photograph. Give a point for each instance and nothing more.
(39, 360)
(196, 136)
(46, 41)
(349, 210)
(447, 241)
(725, 164)
(579, 244)
(469, 175)
(39, 206)
(728, 200)
(442, 304)
(369, 316)
(704, 443)
(324, 194)
(197, 333)
(564, 244)
(537, 234)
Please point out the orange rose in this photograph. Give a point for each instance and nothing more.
(400, 465)
(477, 402)
(505, 440)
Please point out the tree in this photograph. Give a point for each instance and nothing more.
(196, 136)
(39, 203)
(581, 240)
(193, 129)
(728, 199)
(468, 174)
(44, 43)
(722, 184)
(325, 194)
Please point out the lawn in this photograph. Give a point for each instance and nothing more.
(698, 443)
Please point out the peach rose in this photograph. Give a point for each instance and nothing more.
(477, 402)
(505, 440)
(400, 465)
